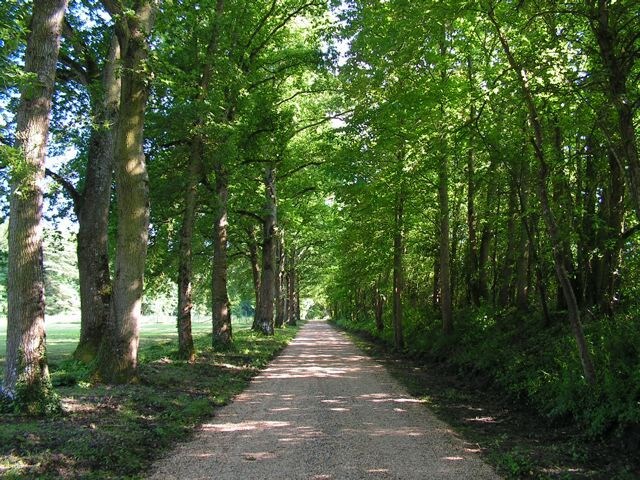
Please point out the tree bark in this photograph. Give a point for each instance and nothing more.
(280, 280)
(446, 309)
(92, 211)
(613, 213)
(26, 377)
(378, 302)
(186, 350)
(293, 287)
(265, 323)
(221, 309)
(508, 266)
(118, 355)
(398, 273)
(254, 259)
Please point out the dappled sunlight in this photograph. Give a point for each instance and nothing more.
(399, 432)
(338, 414)
(481, 420)
(243, 426)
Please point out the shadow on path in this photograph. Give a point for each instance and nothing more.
(322, 410)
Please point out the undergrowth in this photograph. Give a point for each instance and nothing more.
(537, 365)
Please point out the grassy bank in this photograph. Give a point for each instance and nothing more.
(117, 431)
(509, 432)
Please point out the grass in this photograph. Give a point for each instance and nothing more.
(63, 332)
(116, 432)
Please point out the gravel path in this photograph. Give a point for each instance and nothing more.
(322, 410)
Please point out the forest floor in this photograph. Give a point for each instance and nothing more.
(518, 442)
(323, 410)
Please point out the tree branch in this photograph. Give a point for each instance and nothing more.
(249, 214)
(67, 185)
(300, 167)
(254, 53)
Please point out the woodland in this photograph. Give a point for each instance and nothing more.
(457, 180)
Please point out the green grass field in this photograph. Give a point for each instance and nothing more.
(63, 332)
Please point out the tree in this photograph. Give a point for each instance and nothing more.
(117, 358)
(26, 373)
(92, 196)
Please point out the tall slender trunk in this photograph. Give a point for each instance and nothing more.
(26, 377)
(293, 312)
(473, 272)
(560, 261)
(446, 308)
(522, 271)
(509, 261)
(473, 267)
(398, 273)
(220, 307)
(254, 259)
(378, 303)
(279, 290)
(92, 210)
(118, 355)
(613, 212)
(186, 349)
(267, 283)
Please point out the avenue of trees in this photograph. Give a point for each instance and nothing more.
(460, 179)
(487, 188)
(194, 125)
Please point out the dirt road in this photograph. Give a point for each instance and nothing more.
(322, 410)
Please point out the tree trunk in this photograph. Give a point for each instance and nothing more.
(186, 350)
(435, 295)
(297, 303)
(267, 283)
(280, 280)
(254, 259)
(398, 274)
(560, 261)
(378, 301)
(26, 377)
(613, 207)
(293, 287)
(92, 211)
(118, 355)
(509, 261)
(473, 280)
(220, 307)
(444, 260)
(522, 271)
(618, 62)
